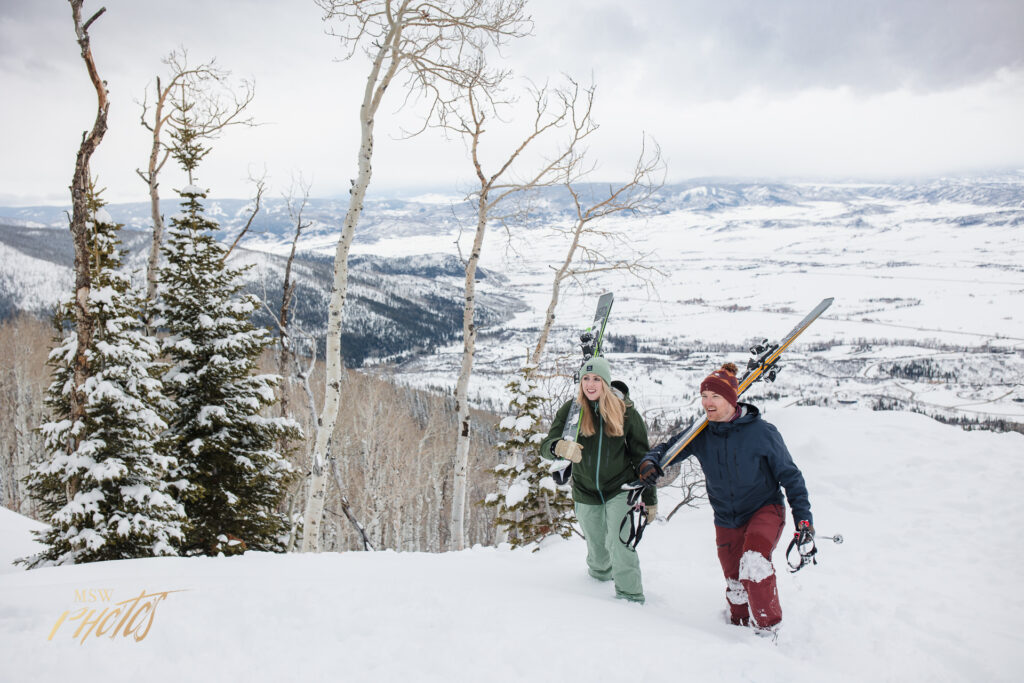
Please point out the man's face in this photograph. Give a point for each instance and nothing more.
(716, 407)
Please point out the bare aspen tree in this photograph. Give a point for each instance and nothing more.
(219, 104)
(305, 375)
(593, 249)
(84, 319)
(295, 211)
(285, 351)
(291, 343)
(432, 44)
(555, 110)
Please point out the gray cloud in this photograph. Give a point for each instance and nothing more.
(868, 45)
(684, 71)
(721, 48)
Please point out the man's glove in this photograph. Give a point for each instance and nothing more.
(649, 470)
(805, 530)
(652, 512)
(570, 450)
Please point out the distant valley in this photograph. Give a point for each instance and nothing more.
(927, 278)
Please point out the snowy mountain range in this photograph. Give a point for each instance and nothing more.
(926, 276)
(439, 212)
(395, 306)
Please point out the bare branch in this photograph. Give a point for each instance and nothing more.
(260, 183)
(295, 212)
(85, 27)
(583, 257)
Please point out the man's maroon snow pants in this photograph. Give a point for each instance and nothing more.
(746, 556)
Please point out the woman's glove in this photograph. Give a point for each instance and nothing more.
(570, 450)
(652, 512)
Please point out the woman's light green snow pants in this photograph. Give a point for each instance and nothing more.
(607, 556)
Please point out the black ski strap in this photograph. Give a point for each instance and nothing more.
(803, 543)
(561, 476)
(637, 518)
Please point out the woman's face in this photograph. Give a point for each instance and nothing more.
(593, 386)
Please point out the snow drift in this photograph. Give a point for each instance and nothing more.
(925, 588)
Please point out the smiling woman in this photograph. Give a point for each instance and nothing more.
(611, 441)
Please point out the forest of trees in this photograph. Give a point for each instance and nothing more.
(163, 421)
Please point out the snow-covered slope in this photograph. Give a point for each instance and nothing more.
(925, 588)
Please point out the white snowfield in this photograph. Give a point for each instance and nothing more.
(926, 587)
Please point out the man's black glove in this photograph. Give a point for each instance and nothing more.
(649, 470)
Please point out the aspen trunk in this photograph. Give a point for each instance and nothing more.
(556, 290)
(458, 540)
(154, 208)
(333, 364)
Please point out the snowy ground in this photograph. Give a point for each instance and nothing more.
(925, 588)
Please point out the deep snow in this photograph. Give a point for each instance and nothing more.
(925, 588)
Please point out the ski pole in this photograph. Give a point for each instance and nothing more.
(803, 543)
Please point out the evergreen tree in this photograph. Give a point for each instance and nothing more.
(103, 486)
(231, 476)
(529, 506)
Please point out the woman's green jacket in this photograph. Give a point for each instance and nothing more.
(608, 461)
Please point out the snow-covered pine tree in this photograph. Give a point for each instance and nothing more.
(102, 487)
(231, 475)
(529, 506)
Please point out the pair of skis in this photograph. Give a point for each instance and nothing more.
(590, 343)
(762, 365)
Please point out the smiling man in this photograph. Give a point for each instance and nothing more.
(745, 465)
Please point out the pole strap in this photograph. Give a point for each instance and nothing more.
(636, 515)
(803, 543)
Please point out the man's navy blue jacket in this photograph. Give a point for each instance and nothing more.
(744, 461)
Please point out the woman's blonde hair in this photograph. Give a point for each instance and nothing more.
(612, 409)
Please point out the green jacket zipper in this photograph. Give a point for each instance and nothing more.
(600, 440)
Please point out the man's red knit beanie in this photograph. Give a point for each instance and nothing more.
(723, 382)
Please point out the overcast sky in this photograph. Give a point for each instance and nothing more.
(788, 89)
